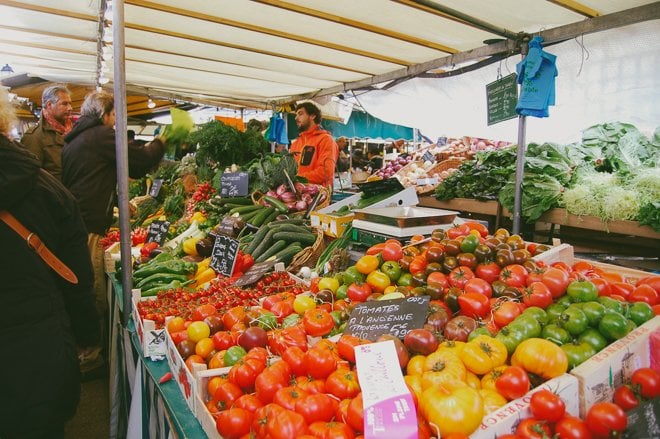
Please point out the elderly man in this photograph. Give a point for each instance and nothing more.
(46, 140)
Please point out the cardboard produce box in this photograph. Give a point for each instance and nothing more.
(152, 340)
(334, 225)
(600, 375)
(505, 419)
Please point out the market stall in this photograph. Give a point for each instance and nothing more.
(435, 301)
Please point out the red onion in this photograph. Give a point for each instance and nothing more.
(307, 198)
(301, 205)
(272, 193)
(299, 187)
(281, 189)
(311, 189)
(291, 205)
(287, 196)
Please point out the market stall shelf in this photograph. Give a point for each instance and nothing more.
(563, 218)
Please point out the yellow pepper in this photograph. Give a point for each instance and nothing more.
(190, 246)
(202, 265)
(198, 216)
(204, 276)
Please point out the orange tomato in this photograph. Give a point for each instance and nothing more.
(194, 359)
(367, 263)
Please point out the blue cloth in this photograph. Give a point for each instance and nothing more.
(536, 74)
(277, 130)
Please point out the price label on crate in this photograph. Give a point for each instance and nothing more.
(372, 319)
(158, 232)
(428, 157)
(234, 184)
(255, 273)
(223, 257)
(154, 190)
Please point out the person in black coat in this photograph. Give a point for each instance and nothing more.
(89, 171)
(46, 321)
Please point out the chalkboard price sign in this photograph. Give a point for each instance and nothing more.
(369, 320)
(154, 190)
(234, 184)
(255, 273)
(502, 97)
(158, 231)
(224, 255)
(428, 157)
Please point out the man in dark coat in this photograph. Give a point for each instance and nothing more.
(45, 319)
(89, 171)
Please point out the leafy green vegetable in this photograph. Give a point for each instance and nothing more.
(549, 158)
(624, 147)
(223, 145)
(620, 204)
(649, 215)
(540, 193)
(267, 172)
(481, 178)
(175, 135)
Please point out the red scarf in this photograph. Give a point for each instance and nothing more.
(62, 129)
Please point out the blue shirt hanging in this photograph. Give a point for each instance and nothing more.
(536, 74)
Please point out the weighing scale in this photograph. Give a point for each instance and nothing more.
(374, 225)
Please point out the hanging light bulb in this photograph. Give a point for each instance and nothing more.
(151, 104)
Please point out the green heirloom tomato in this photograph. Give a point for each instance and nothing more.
(613, 326)
(554, 311)
(469, 243)
(267, 320)
(538, 313)
(631, 325)
(510, 337)
(640, 312)
(527, 325)
(405, 280)
(582, 291)
(392, 269)
(612, 304)
(564, 301)
(578, 353)
(352, 275)
(338, 316)
(234, 354)
(573, 320)
(594, 312)
(556, 334)
(594, 338)
(341, 292)
(291, 320)
(479, 331)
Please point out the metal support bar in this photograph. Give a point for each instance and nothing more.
(121, 146)
(520, 163)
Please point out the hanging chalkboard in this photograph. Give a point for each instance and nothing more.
(428, 157)
(234, 184)
(154, 190)
(502, 97)
(223, 257)
(255, 273)
(369, 320)
(158, 232)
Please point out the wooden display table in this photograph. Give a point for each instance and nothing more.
(632, 228)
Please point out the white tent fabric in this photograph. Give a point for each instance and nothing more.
(606, 76)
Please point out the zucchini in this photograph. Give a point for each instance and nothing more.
(275, 248)
(263, 244)
(249, 215)
(306, 239)
(287, 254)
(245, 209)
(277, 204)
(296, 221)
(261, 216)
(243, 201)
(270, 217)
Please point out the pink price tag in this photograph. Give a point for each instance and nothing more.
(389, 409)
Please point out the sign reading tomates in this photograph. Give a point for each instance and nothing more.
(369, 320)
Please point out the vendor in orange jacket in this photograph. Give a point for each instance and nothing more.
(315, 150)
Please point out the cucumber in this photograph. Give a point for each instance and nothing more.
(263, 245)
(245, 209)
(296, 221)
(277, 204)
(306, 239)
(270, 217)
(261, 216)
(275, 248)
(291, 228)
(258, 237)
(247, 217)
(243, 201)
(287, 254)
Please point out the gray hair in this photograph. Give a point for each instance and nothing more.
(51, 94)
(97, 104)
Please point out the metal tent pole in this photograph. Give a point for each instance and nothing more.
(121, 145)
(520, 159)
